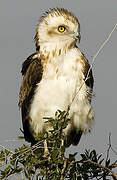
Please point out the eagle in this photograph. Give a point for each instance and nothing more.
(55, 77)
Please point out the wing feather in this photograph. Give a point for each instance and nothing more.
(87, 71)
(32, 71)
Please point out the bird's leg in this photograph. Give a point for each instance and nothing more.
(62, 142)
(46, 151)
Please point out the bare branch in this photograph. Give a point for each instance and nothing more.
(93, 60)
(63, 170)
(101, 47)
(110, 146)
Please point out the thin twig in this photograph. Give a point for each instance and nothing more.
(3, 147)
(113, 166)
(110, 146)
(100, 49)
(108, 150)
(64, 167)
(115, 152)
(9, 140)
(93, 60)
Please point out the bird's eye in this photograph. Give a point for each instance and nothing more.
(61, 29)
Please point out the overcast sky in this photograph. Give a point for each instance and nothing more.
(18, 20)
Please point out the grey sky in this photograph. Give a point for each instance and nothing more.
(18, 21)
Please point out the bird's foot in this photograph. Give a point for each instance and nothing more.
(46, 151)
(46, 154)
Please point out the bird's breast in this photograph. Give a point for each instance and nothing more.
(58, 88)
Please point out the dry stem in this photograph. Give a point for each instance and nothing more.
(93, 60)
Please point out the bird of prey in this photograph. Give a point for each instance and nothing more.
(54, 77)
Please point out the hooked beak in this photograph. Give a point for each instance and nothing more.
(77, 36)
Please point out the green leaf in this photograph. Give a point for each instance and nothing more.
(7, 170)
(45, 135)
(62, 149)
(61, 161)
(79, 178)
(99, 156)
(54, 154)
(100, 162)
(7, 152)
(20, 137)
(12, 162)
(18, 169)
(84, 157)
(107, 162)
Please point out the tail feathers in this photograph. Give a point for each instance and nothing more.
(73, 138)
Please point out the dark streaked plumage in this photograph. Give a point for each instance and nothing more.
(32, 71)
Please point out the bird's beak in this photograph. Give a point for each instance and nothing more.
(77, 36)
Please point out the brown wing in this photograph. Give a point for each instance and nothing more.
(87, 70)
(32, 71)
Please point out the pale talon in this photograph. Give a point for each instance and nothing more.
(46, 151)
(46, 154)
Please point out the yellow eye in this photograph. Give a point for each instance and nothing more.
(61, 29)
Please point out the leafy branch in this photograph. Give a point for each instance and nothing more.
(29, 162)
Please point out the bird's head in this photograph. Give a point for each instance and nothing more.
(58, 26)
